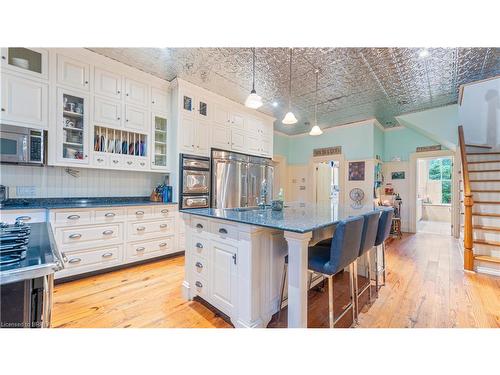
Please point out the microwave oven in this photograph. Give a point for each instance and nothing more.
(21, 145)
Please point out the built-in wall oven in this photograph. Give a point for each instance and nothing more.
(194, 181)
(22, 145)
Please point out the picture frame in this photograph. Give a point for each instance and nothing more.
(356, 171)
(399, 175)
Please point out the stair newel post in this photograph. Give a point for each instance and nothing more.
(468, 241)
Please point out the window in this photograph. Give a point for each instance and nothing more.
(440, 169)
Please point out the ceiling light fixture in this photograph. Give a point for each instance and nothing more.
(253, 101)
(290, 118)
(423, 53)
(275, 104)
(316, 130)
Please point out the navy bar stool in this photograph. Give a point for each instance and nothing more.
(370, 229)
(328, 261)
(384, 229)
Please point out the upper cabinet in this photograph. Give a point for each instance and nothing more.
(159, 99)
(136, 92)
(222, 116)
(74, 73)
(107, 84)
(24, 102)
(32, 62)
(159, 144)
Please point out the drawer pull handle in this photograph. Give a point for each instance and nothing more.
(199, 265)
(100, 160)
(110, 214)
(199, 245)
(223, 230)
(107, 255)
(107, 232)
(75, 260)
(163, 225)
(142, 163)
(73, 217)
(23, 218)
(129, 162)
(140, 249)
(139, 212)
(115, 161)
(198, 284)
(75, 236)
(140, 229)
(199, 226)
(164, 211)
(163, 244)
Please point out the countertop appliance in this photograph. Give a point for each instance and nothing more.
(28, 260)
(240, 180)
(194, 172)
(21, 145)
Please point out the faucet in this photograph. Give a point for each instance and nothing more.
(263, 194)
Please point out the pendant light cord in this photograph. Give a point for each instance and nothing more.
(253, 74)
(290, 84)
(316, 99)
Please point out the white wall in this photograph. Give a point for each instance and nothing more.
(49, 182)
(402, 187)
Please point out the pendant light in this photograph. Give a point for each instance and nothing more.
(290, 118)
(253, 101)
(316, 130)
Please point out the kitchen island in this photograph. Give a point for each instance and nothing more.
(234, 258)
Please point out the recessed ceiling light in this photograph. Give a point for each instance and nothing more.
(423, 53)
(275, 104)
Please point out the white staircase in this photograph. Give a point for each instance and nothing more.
(484, 176)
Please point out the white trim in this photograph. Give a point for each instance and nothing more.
(332, 128)
(462, 87)
(487, 270)
(400, 127)
(342, 175)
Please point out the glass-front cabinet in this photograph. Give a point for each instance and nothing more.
(72, 127)
(31, 61)
(159, 158)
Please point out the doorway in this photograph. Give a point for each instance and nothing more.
(434, 184)
(327, 178)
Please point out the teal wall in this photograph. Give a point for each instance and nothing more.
(281, 144)
(378, 142)
(402, 142)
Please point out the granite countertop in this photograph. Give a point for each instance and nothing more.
(299, 218)
(84, 202)
(42, 257)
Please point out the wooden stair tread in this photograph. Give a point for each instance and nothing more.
(485, 191)
(487, 242)
(483, 161)
(483, 153)
(492, 180)
(486, 202)
(487, 214)
(486, 258)
(484, 170)
(478, 146)
(486, 228)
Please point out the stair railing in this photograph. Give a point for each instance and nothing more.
(468, 203)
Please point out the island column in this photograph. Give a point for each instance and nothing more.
(298, 244)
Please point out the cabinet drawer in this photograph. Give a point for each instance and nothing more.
(83, 258)
(150, 229)
(73, 236)
(109, 215)
(224, 229)
(116, 161)
(140, 213)
(101, 159)
(164, 211)
(141, 163)
(199, 225)
(200, 286)
(200, 267)
(199, 247)
(149, 248)
(73, 217)
(28, 216)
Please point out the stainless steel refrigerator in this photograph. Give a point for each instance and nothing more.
(240, 180)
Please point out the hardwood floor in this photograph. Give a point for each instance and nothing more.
(426, 287)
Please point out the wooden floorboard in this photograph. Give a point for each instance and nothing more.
(426, 287)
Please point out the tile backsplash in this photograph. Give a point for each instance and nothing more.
(50, 182)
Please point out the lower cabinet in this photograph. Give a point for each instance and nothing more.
(108, 237)
(223, 276)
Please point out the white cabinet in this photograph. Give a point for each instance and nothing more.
(73, 73)
(187, 100)
(221, 137)
(136, 118)
(108, 84)
(159, 99)
(73, 127)
(107, 112)
(186, 134)
(223, 278)
(24, 102)
(221, 115)
(202, 137)
(159, 142)
(136, 92)
(238, 141)
(27, 61)
(238, 120)
(194, 136)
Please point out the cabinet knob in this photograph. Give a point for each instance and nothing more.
(126, 94)
(142, 163)
(199, 265)
(223, 230)
(86, 82)
(199, 245)
(3, 109)
(163, 244)
(199, 226)
(129, 162)
(163, 225)
(126, 120)
(100, 160)
(3, 57)
(118, 92)
(115, 161)
(140, 229)
(198, 284)
(152, 102)
(118, 117)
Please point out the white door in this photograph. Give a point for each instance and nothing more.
(29, 61)
(202, 136)
(238, 140)
(186, 134)
(107, 112)
(72, 73)
(221, 115)
(224, 276)
(136, 118)
(24, 102)
(159, 144)
(221, 137)
(324, 183)
(159, 99)
(108, 84)
(254, 144)
(238, 120)
(267, 146)
(136, 92)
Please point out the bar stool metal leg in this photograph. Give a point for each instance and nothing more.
(354, 282)
(352, 290)
(330, 302)
(376, 270)
(383, 262)
(285, 269)
(369, 274)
